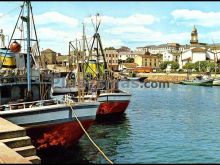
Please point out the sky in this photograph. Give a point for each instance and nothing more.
(123, 23)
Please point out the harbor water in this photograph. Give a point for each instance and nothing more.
(175, 124)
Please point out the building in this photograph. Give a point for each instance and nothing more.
(197, 52)
(124, 53)
(160, 49)
(111, 57)
(127, 66)
(171, 56)
(62, 60)
(148, 59)
(48, 56)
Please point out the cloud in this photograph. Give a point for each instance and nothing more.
(198, 17)
(116, 43)
(55, 17)
(57, 40)
(128, 29)
(136, 19)
(138, 34)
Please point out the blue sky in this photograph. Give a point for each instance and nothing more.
(132, 24)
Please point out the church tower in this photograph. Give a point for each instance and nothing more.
(194, 36)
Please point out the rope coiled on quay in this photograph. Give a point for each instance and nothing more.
(103, 154)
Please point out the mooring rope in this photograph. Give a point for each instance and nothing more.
(69, 104)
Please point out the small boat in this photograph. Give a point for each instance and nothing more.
(216, 81)
(134, 78)
(199, 81)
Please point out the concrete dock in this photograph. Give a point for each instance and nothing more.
(15, 146)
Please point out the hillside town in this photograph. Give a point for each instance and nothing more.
(150, 58)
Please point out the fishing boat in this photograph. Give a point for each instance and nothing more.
(199, 81)
(94, 68)
(25, 96)
(216, 82)
(133, 78)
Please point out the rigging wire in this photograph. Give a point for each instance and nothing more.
(12, 36)
(10, 11)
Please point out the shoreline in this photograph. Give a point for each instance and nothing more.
(170, 77)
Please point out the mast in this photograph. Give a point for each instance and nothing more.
(28, 50)
(84, 52)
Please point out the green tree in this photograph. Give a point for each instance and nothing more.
(129, 60)
(110, 48)
(203, 66)
(189, 65)
(163, 65)
(174, 65)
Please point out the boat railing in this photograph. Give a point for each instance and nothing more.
(23, 105)
(17, 79)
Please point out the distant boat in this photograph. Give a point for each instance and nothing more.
(133, 78)
(199, 81)
(216, 81)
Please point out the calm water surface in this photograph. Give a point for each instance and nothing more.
(179, 124)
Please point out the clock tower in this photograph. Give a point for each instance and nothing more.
(194, 36)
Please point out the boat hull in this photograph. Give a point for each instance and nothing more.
(198, 83)
(61, 135)
(112, 107)
(53, 125)
(216, 82)
(113, 103)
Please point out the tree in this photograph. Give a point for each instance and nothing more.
(174, 65)
(163, 65)
(203, 66)
(119, 61)
(189, 65)
(110, 48)
(129, 60)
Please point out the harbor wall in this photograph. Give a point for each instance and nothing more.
(171, 77)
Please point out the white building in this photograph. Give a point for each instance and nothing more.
(197, 52)
(124, 55)
(160, 49)
(171, 56)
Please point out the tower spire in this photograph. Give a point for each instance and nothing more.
(194, 36)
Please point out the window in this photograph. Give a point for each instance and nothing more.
(5, 92)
